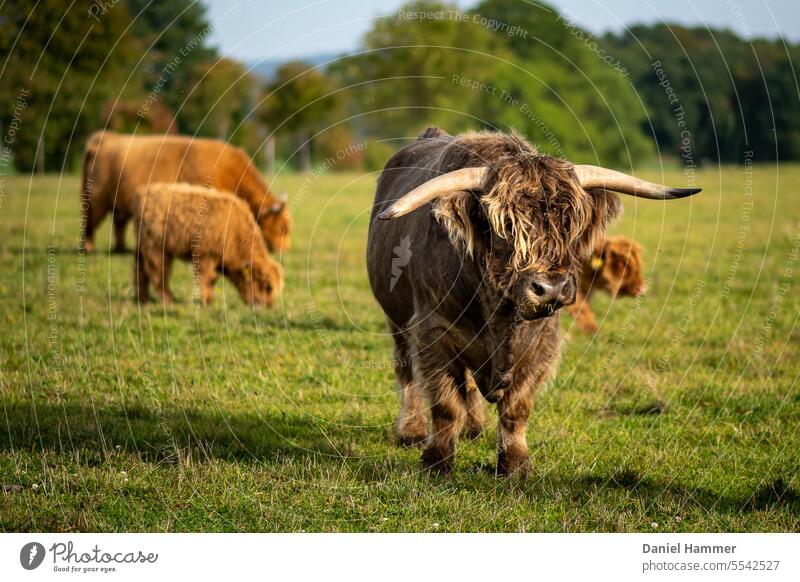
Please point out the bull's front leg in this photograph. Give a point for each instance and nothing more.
(534, 351)
(514, 408)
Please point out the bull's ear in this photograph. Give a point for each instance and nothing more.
(606, 208)
(456, 213)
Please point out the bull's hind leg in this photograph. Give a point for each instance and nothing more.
(412, 423)
(444, 381)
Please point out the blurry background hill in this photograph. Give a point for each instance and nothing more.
(150, 67)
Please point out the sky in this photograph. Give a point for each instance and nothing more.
(254, 30)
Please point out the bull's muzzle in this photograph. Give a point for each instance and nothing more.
(542, 294)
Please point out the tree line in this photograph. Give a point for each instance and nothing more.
(622, 99)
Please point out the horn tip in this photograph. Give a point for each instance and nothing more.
(683, 192)
(386, 215)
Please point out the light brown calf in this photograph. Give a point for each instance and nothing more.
(615, 267)
(214, 230)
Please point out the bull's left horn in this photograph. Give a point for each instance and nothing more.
(597, 177)
(464, 179)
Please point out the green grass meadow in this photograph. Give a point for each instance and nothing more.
(681, 414)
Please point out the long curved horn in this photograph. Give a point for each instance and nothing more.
(597, 177)
(464, 179)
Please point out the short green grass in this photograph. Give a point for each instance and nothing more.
(682, 414)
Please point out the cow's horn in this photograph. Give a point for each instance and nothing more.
(464, 179)
(597, 177)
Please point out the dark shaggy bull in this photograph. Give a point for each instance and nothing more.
(471, 282)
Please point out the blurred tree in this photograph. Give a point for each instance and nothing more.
(70, 63)
(407, 76)
(336, 146)
(128, 117)
(219, 97)
(301, 100)
(174, 34)
(504, 65)
(731, 94)
(571, 99)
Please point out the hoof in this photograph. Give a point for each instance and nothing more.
(412, 430)
(436, 461)
(411, 439)
(513, 464)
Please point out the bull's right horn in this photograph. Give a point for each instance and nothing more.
(464, 179)
(597, 177)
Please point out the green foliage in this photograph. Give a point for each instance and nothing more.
(403, 80)
(219, 96)
(565, 97)
(301, 101)
(142, 66)
(736, 95)
(300, 98)
(377, 153)
(504, 65)
(71, 64)
(174, 34)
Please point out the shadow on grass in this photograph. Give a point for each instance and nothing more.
(170, 436)
(175, 436)
(773, 495)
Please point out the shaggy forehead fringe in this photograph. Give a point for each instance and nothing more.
(533, 201)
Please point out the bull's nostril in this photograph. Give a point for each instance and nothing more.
(538, 290)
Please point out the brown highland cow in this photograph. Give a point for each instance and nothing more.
(116, 164)
(615, 266)
(475, 242)
(214, 230)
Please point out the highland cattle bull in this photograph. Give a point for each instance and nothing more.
(115, 165)
(475, 242)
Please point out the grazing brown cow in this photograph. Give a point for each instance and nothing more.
(615, 266)
(116, 164)
(475, 242)
(214, 230)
